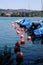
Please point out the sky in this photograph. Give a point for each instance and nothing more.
(21, 4)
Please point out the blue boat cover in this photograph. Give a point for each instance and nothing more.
(41, 23)
(21, 21)
(26, 22)
(29, 25)
(38, 31)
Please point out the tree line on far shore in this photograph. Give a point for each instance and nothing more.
(22, 14)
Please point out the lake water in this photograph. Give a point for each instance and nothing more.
(32, 50)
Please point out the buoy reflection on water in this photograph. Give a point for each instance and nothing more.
(17, 47)
(19, 57)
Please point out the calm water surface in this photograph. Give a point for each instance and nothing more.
(32, 49)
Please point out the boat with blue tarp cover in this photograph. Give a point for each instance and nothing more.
(38, 32)
(25, 23)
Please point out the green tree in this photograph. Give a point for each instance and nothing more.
(3, 14)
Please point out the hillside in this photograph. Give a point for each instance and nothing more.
(20, 12)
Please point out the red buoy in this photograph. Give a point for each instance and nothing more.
(22, 29)
(16, 26)
(13, 24)
(18, 32)
(22, 41)
(17, 44)
(29, 38)
(19, 55)
(22, 36)
(18, 29)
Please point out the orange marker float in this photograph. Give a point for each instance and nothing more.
(16, 49)
(22, 41)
